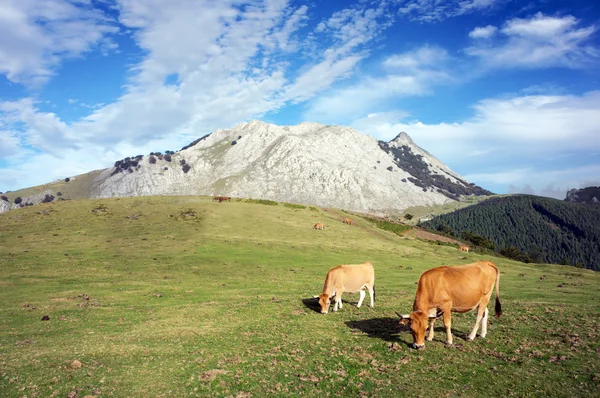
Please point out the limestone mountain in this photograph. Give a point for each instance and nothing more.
(310, 163)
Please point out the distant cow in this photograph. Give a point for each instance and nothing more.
(347, 278)
(319, 226)
(463, 248)
(347, 221)
(444, 290)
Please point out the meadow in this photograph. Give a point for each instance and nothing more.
(183, 296)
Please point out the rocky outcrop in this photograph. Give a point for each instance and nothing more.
(589, 195)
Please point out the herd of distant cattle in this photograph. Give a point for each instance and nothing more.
(440, 291)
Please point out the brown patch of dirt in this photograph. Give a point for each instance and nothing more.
(418, 233)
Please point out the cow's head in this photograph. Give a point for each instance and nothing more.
(418, 322)
(324, 302)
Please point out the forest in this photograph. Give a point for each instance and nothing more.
(528, 228)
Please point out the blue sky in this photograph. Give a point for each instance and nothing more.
(506, 93)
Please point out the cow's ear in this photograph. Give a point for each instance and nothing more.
(405, 321)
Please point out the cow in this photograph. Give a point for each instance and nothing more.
(319, 226)
(347, 278)
(216, 198)
(347, 221)
(463, 248)
(443, 290)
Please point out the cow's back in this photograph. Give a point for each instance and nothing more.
(462, 285)
(351, 278)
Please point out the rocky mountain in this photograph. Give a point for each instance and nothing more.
(584, 195)
(311, 163)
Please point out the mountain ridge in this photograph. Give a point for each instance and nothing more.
(310, 163)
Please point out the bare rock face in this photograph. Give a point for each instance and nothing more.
(25, 201)
(310, 163)
(588, 195)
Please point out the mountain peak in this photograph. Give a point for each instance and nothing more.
(403, 139)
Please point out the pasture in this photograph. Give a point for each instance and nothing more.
(183, 296)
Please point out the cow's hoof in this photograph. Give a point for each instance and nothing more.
(469, 339)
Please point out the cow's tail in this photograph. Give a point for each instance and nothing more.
(498, 307)
(373, 292)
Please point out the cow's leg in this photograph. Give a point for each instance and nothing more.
(430, 335)
(481, 309)
(448, 325)
(362, 297)
(372, 294)
(338, 302)
(484, 322)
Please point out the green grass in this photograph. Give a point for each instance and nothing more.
(182, 296)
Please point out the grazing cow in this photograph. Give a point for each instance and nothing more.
(216, 198)
(444, 290)
(319, 226)
(347, 221)
(347, 278)
(463, 248)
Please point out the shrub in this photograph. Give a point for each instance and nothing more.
(408, 216)
(182, 162)
(186, 168)
(67, 179)
(294, 206)
(233, 142)
(398, 229)
(166, 168)
(262, 202)
(152, 159)
(18, 200)
(48, 198)
(59, 194)
(4, 198)
(390, 168)
(167, 157)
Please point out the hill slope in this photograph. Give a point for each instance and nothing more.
(155, 296)
(310, 163)
(530, 228)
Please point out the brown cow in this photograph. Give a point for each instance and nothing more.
(319, 226)
(444, 290)
(463, 248)
(347, 221)
(347, 278)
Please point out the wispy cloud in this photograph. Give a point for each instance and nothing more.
(435, 11)
(406, 74)
(537, 42)
(37, 35)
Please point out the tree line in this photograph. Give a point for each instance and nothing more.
(529, 228)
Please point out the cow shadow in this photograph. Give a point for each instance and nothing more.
(313, 304)
(387, 329)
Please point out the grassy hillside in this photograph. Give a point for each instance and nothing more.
(182, 296)
(78, 187)
(530, 228)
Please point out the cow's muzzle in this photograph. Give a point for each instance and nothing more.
(418, 346)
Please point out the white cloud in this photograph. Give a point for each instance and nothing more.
(512, 140)
(483, 32)
(407, 74)
(36, 35)
(538, 42)
(435, 11)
